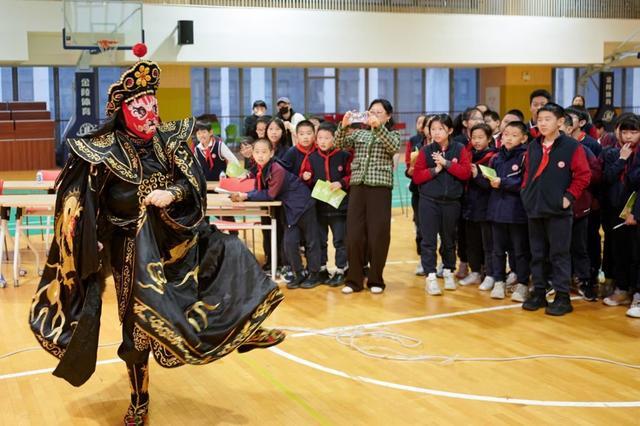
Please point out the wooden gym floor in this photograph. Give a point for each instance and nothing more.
(312, 379)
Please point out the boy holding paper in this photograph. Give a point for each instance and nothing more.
(506, 212)
(333, 166)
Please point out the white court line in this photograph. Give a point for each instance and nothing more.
(435, 392)
(410, 320)
(50, 370)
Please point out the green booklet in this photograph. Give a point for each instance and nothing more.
(322, 191)
(235, 170)
(629, 206)
(488, 171)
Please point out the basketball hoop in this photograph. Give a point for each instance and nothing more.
(107, 46)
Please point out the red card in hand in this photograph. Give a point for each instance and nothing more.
(237, 184)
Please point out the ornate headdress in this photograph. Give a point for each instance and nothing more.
(143, 78)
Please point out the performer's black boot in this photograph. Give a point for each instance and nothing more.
(139, 407)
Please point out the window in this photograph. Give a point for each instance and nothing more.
(66, 78)
(351, 89)
(465, 89)
(197, 91)
(409, 96)
(437, 90)
(256, 85)
(592, 90)
(290, 84)
(6, 84)
(106, 77)
(321, 89)
(380, 84)
(564, 86)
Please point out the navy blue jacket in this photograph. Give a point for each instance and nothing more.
(337, 164)
(476, 199)
(274, 182)
(619, 178)
(448, 184)
(294, 159)
(505, 205)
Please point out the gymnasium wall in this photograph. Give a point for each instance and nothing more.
(264, 37)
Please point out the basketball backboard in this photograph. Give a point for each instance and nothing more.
(89, 23)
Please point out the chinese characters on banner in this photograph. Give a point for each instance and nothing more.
(85, 118)
(606, 111)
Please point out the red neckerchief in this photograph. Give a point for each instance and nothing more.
(545, 160)
(259, 177)
(327, 157)
(305, 160)
(207, 151)
(581, 136)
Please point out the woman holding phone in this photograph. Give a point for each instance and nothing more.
(369, 212)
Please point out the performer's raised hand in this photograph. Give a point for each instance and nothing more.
(159, 198)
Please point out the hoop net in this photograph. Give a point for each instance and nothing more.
(109, 47)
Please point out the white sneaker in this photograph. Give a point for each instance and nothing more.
(376, 290)
(432, 287)
(449, 282)
(520, 293)
(347, 290)
(498, 290)
(419, 270)
(487, 283)
(471, 279)
(439, 270)
(512, 278)
(619, 297)
(634, 310)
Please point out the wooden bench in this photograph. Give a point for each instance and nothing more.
(7, 130)
(5, 115)
(30, 115)
(34, 129)
(26, 106)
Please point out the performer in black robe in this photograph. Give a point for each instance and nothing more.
(131, 201)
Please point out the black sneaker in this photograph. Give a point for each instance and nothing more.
(588, 291)
(298, 279)
(312, 281)
(324, 276)
(337, 280)
(537, 299)
(561, 305)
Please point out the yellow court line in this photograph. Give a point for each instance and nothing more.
(292, 395)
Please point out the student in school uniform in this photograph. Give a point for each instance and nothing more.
(276, 134)
(511, 115)
(621, 176)
(332, 165)
(441, 170)
(474, 209)
(298, 155)
(212, 153)
(507, 215)
(580, 259)
(411, 149)
(556, 173)
(537, 99)
(246, 151)
(469, 118)
(492, 119)
(274, 182)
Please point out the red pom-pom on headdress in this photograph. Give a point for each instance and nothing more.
(139, 49)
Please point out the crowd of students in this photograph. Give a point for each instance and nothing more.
(496, 193)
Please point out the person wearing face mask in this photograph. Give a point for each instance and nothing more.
(130, 203)
(259, 110)
(290, 119)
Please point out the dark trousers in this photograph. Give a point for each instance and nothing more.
(461, 239)
(594, 244)
(624, 245)
(437, 217)
(266, 237)
(511, 238)
(480, 247)
(415, 205)
(307, 228)
(550, 241)
(609, 220)
(580, 263)
(338, 225)
(368, 235)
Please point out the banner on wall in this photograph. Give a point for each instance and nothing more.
(606, 111)
(85, 117)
